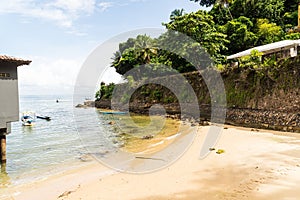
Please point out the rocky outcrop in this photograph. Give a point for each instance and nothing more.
(86, 104)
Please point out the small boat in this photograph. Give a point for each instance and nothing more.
(44, 117)
(113, 112)
(28, 118)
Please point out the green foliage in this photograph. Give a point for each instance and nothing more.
(290, 19)
(157, 95)
(169, 99)
(201, 27)
(221, 15)
(256, 61)
(125, 61)
(142, 55)
(292, 36)
(206, 3)
(105, 91)
(268, 32)
(145, 49)
(290, 5)
(229, 27)
(253, 61)
(272, 10)
(176, 13)
(239, 34)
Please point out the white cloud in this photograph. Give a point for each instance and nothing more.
(137, 0)
(105, 5)
(46, 76)
(62, 12)
(75, 6)
(57, 74)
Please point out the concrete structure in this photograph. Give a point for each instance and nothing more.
(281, 49)
(9, 98)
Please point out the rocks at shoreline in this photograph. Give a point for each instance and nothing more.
(247, 117)
(265, 119)
(86, 104)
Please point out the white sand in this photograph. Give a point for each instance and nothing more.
(255, 165)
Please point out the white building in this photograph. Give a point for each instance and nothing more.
(281, 49)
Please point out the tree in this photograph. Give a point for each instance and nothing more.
(176, 13)
(268, 32)
(126, 62)
(138, 53)
(291, 5)
(209, 3)
(145, 49)
(105, 91)
(206, 3)
(201, 27)
(171, 40)
(221, 4)
(225, 4)
(239, 34)
(290, 20)
(272, 10)
(220, 14)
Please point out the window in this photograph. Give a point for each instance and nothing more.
(4, 75)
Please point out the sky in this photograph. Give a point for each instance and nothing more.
(59, 35)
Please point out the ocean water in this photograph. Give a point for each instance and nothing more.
(53, 146)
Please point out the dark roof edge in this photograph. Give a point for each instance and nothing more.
(17, 61)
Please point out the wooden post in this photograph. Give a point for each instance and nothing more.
(2, 148)
(298, 16)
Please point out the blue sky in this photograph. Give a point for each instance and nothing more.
(58, 35)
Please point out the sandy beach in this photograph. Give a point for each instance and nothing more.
(256, 164)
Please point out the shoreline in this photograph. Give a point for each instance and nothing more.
(255, 165)
(270, 119)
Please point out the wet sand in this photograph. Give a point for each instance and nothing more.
(255, 165)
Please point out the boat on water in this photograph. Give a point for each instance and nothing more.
(44, 117)
(113, 112)
(28, 118)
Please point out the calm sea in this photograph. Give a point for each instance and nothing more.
(53, 146)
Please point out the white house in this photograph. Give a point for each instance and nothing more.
(282, 49)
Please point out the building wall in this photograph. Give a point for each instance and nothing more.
(9, 98)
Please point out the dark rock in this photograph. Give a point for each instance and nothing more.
(80, 106)
(89, 103)
(147, 137)
(111, 123)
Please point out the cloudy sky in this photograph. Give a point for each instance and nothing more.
(58, 35)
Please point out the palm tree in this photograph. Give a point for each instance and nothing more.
(117, 58)
(145, 48)
(176, 13)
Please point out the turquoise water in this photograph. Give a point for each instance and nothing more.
(53, 146)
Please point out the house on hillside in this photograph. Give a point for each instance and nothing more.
(281, 49)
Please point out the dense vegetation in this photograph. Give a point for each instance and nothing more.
(105, 91)
(229, 27)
